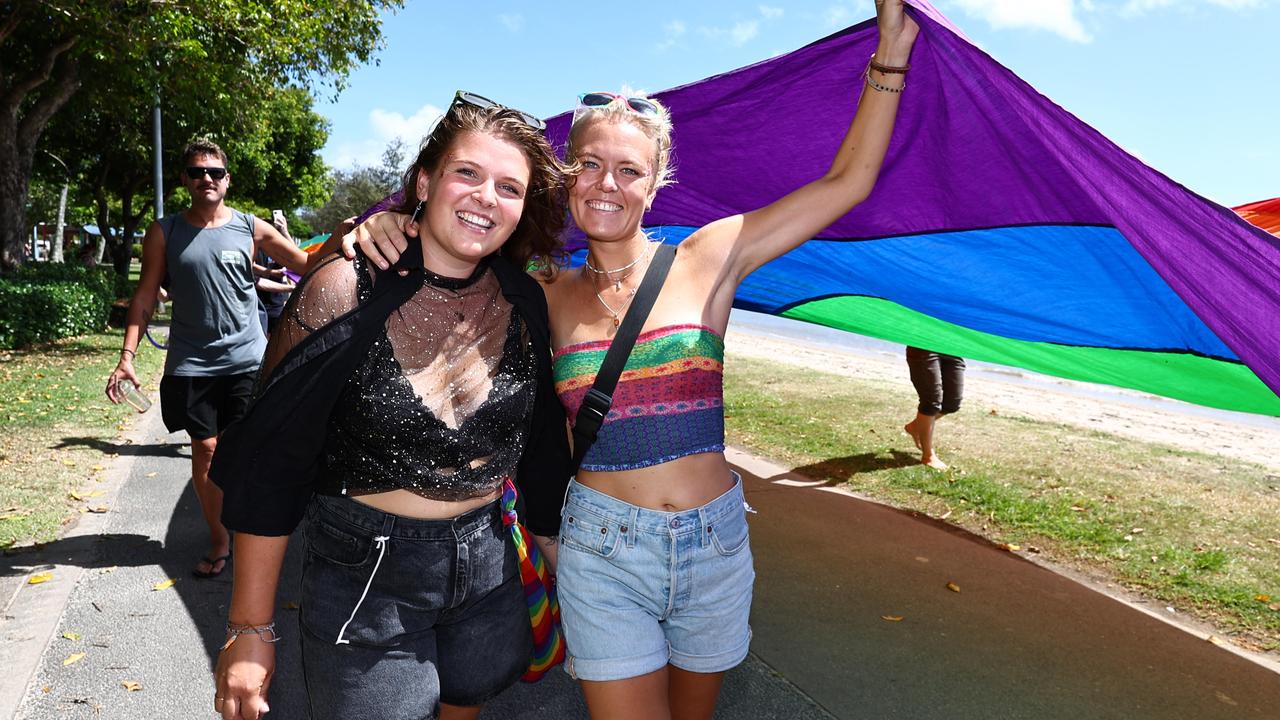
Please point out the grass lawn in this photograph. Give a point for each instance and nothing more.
(1198, 532)
(58, 430)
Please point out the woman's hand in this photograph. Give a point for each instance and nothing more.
(548, 546)
(382, 238)
(897, 32)
(242, 678)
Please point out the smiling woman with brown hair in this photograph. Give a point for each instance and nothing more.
(394, 412)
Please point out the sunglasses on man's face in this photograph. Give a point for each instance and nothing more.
(462, 97)
(638, 105)
(214, 173)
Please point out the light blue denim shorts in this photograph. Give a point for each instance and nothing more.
(641, 588)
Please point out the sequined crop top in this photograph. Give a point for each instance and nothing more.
(669, 401)
(439, 406)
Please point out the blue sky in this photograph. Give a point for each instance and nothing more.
(1189, 86)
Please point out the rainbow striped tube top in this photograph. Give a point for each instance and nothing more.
(669, 402)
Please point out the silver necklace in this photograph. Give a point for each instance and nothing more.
(617, 286)
(617, 282)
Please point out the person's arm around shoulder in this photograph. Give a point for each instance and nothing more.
(141, 306)
(738, 245)
(383, 238)
(248, 658)
(280, 248)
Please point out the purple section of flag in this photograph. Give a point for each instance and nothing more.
(974, 147)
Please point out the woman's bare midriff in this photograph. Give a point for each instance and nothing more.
(682, 484)
(411, 505)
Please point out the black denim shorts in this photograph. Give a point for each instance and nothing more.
(400, 614)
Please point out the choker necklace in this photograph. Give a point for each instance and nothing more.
(617, 282)
(617, 285)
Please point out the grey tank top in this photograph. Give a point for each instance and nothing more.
(215, 328)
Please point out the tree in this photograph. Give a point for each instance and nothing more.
(272, 139)
(355, 190)
(198, 53)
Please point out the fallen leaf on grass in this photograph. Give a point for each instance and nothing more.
(891, 618)
(98, 510)
(1009, 547)
(1262, 598)
(72, 658)
(953, 587)
(69, 463)
(1274, 606)
(164, 584)
(40, 578)
(70, 635)
(1217, 640)
(46, 689)
(131, 685)
(97, 468)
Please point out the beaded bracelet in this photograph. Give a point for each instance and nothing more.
(235, 630)
(882, 88)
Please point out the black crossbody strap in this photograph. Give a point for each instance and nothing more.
(595, 405)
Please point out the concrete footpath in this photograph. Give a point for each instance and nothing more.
(1017, 641)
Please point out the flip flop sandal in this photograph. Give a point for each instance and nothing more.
(213, 563)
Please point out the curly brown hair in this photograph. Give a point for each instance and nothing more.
(537, 243)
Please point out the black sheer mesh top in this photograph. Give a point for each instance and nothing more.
(440, 404)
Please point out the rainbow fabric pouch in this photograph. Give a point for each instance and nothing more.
(539, 592)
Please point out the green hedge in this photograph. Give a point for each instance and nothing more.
(32, 313)
(44, 301)
(99, 280)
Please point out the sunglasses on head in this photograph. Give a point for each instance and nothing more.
(462, 97)
(638, 105)
(214, 173)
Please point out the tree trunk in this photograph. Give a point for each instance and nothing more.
(22, 120)
(124, 251)
(14, 175)
(62, 225)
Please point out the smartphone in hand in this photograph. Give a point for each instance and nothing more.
(277, 217)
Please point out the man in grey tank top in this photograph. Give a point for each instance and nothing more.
(216, 341)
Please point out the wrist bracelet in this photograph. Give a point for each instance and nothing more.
(235, 630)
(882, 88)
(132, 354)
(888, 69)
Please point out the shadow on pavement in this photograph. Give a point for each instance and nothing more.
(86, 551)
(108, 448)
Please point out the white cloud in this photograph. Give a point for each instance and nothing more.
(744, 31)
(673, 31)
(513, 22)
(1056, 16)
(770, 12)
(384, 126)
(738, 35)
(837, 16)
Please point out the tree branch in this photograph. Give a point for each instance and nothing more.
(10, 25)
(35, 120)
(38, 77)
